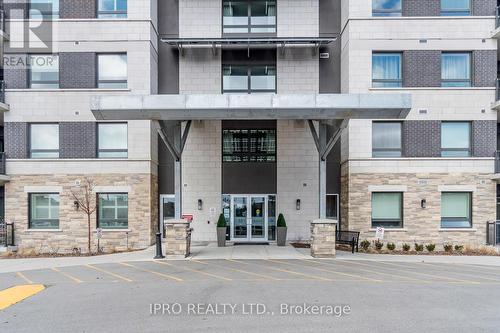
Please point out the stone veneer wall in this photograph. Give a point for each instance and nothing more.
(419, 225)
(142, 217)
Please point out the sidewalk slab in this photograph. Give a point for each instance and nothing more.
(230, 251)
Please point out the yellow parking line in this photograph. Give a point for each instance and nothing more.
(16, 294)
(267, 277)
(284, 270)
(196, 270)
(109, 273)
(376, 272)
(462, 273)
(334, 272)
(22, 276)
(170, 277)
(76, 280)
(430, 275)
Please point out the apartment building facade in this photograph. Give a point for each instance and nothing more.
(371, 113)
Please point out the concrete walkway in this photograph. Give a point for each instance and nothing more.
(211, 251)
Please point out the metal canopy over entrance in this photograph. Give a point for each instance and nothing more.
(327, 115)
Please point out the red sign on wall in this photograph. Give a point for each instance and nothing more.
(188, 217)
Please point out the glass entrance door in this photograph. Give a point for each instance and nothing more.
(249, 218)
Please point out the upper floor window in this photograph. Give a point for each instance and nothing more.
(112, 9)
(112, 71)
(455, 139)
(252, 145)
(387, 209)
(47, 9)
(112, 140)
(456, 210)
(386, 70)
(44, 71)
(386, 8)
(43, 211)
(386, 139)
(248, 79)
(249, 16)
(455, 7)
(456, 69)
(44, 140)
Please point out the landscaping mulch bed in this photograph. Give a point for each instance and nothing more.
(301, 245)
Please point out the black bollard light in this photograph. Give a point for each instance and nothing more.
(159, 254)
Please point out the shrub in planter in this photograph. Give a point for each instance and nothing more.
(281, 230)
(406, 247)
(391, 246)
(419, 247)
(448, 248)
(378, 245)
(430, 247)
(459, 248)
(221, 231)
(365, 245)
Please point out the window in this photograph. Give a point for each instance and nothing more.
(46, 9)
(249, 17)
(455, 7)
(249, 145)
(271, 217)
(112, 140)
(386, 8)
(387, 209)
(44, 71)
(112, 71)
(456, 210)
(112, 9)
(248, 79)
(113, 211)
(386, 70)
(386, 139)
(455, 139)
(44, 140)
(455, 69)
(332, 206)
(43, 210)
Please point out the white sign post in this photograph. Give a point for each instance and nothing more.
(379, 234)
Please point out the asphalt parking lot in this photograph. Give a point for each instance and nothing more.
(257, 295)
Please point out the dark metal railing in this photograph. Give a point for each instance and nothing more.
(6, 234)
(493, 233)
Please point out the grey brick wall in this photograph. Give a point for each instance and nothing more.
(484, 68)
(15, 76)
(77, 9)
(77, 140)
(422, 138)
(484, 136)
(421, 7)
(483, 7)
(77, 70)
(422, 68)
(16, 140)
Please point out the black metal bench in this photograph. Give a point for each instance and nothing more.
(348, 238)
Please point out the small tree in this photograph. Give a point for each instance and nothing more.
(84, 196)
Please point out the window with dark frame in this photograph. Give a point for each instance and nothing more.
(387, 70)
(387, 209)
(43, 210)
(249, 16)
(455, 7)
(456, 69)
(112, 70)
(112, 212)
(44, 140)
(112, 9)
(43, 9)
(386, 8)
(112, 140)
(332, 206)
(387, 139)
(456, 210)
(43, 71)
(248, 79)
(249, 145)
(456, 139)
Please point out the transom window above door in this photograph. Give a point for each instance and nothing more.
(245, 17)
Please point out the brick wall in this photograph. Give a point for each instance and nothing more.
(484, 134)
(484, 7)
(200, 72)
(422, 138)
(297, 18)
(77, 70)
(16, 139)
(422, 68)
(16, 77)
(77, 140)
(421, 7)
(298, 72)
(485, 68)
(77, 9)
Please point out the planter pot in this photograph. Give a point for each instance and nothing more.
(281, 236)
(221, 237)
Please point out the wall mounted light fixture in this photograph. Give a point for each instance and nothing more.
(297, 204)
(76, 204)
(423, 203)
(200, 204)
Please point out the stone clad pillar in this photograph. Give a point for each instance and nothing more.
(178, 237)
(323, 238)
